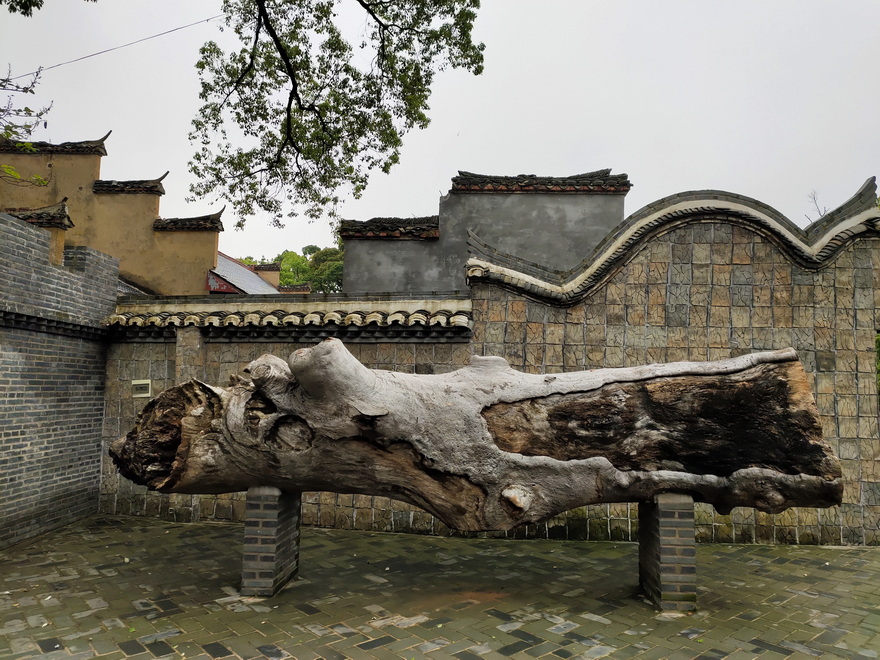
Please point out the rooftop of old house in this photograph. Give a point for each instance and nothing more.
(81, 147)
(209, 222)
(426, 227)
(138, 187)
(54, 215)
(239, 276)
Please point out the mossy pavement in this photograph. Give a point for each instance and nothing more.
(122, 587)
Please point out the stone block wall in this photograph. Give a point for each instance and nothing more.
(712, 291)
(51, 380)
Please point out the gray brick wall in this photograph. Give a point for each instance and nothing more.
(52, 366)
(271, 540)
(706, 292)
(667, 556)
(82, 291)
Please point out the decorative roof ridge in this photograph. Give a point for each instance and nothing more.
(273, 267)
(814, 248)
(54, 215)
(596, 182)
(209, 222)
(417, 228)
(133, 187)
(84, 147)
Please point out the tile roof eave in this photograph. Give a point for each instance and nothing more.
(597, 182)
(85, 147)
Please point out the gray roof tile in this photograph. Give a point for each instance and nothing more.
(240, 276)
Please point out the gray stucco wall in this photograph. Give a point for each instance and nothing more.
(376, 266)
(555, 230)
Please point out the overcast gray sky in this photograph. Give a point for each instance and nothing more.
(770, 99)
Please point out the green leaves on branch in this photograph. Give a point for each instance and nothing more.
(25, 7)
(298, 116)
(17, 124)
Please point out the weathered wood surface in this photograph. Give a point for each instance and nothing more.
(487, 447)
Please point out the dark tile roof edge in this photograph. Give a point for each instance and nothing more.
(296, 288)
(814, 248)
(135, 187)
(210, 222)
(124, 288)
(55, 215)
(268, 267)
(597, 182)
(95, 147)
(421, 228)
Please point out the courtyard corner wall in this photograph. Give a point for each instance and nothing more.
(52, 362)
(695, 277)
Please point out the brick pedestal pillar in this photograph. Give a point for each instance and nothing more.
(271, 540)
(667, 552)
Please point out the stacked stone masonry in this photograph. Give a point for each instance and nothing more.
(52, 359)
(700, 291)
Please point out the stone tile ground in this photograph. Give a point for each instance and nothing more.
(114, 587)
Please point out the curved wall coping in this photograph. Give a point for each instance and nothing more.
(813, 247)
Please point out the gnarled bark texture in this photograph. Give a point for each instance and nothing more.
(487, 447)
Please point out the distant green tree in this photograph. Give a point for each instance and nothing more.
(319, 267)
(295, 268)
(327, 270)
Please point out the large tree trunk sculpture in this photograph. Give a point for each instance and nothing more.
(487, 447)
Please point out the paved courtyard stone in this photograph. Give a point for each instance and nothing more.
(119, 587)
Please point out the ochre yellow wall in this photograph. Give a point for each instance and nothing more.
(273, 277)
(121, 225)
(69, 175)
(186, 258)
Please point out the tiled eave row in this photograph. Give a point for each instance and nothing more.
(139, 187)
(210, 222)
(277, 318)
(248, 318)
(88, 147)
(55, 215)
